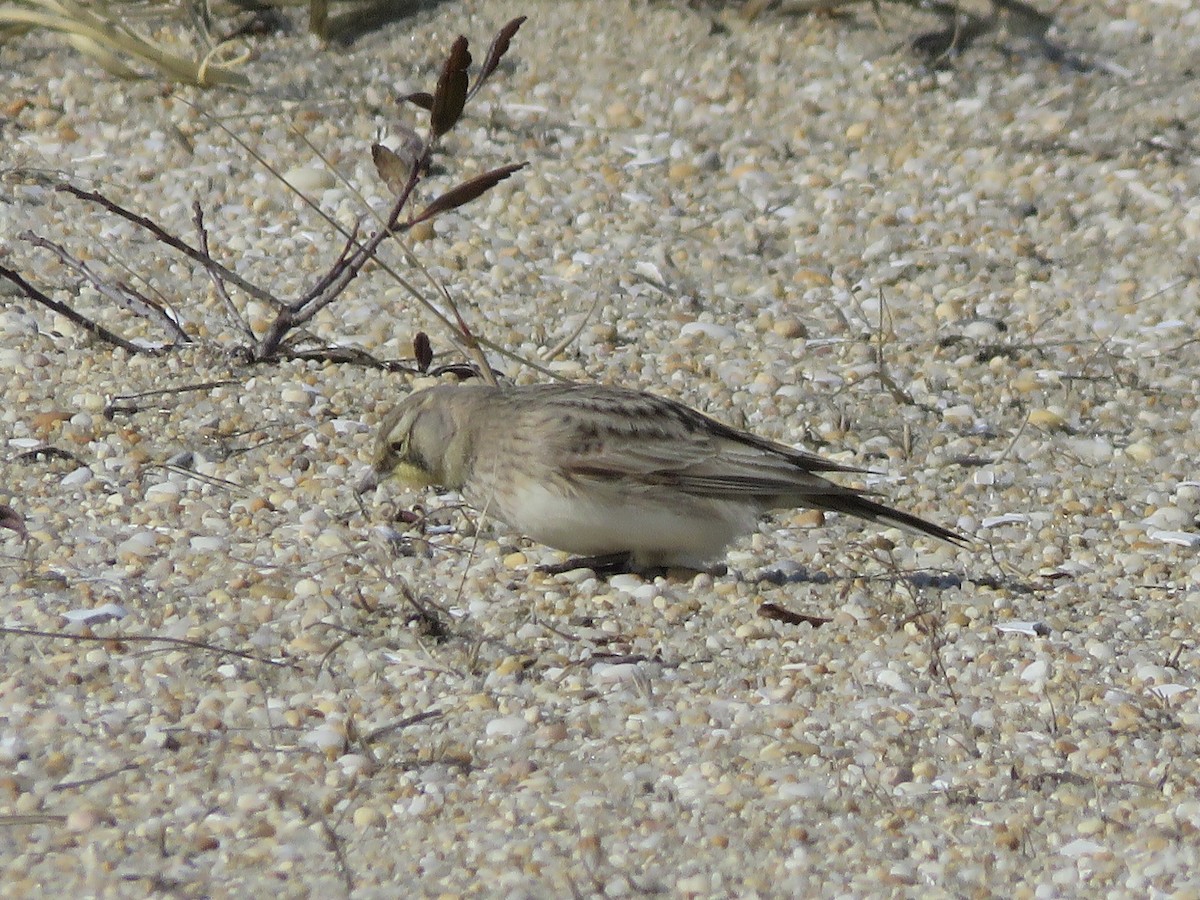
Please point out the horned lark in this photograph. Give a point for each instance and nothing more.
(603, 471)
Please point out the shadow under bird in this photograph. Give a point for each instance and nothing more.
(610, 472)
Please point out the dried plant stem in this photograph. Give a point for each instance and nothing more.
(175, 243)
(148, 639)
(231, 311)
(66, 312)
(286, 334)
(106, 40)
(355, 255)
(122, 294)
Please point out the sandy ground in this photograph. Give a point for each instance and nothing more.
(979, 281)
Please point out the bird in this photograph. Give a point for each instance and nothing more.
(610, 472)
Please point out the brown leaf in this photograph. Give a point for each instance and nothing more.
(423, 99)
(408, 517)
(496, 52)
(394, 170)
(10, 518)
(451, 93)
(465, 192)
(422, 351)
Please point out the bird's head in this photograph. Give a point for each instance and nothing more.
(419, 443)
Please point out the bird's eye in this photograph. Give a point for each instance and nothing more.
(399, 447)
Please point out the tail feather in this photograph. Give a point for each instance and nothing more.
(855, 504)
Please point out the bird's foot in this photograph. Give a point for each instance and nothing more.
(610, 564)
(605, 565)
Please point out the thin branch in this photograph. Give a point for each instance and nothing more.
(171, 241)
(95, 779)
(148, 639)
(334, 284)
(376, 733)
(574, 333)
(120, 293)
(120, 402)
(66, 312)
(231, 310)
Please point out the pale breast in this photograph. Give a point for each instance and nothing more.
(659, 526)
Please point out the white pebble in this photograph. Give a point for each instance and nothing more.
(506, 726)
(309, 180)
(706, 329)
(890, 679)
(208, 543)
(77, 478)
(140, 544)
(1035, 672)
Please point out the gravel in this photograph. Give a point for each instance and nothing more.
(223, 676)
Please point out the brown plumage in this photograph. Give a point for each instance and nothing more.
(601, 470)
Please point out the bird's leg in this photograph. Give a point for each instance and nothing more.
(610, 564)
(604, 566)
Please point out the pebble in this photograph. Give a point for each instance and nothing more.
(1050, 419)
(77, 478)
(708, 330)
(1035, 672)
(506, 726)
(307, 179)
(789, 328)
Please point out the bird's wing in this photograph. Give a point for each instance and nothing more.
(736, 469)
(619, 434)
(781, 477)
(701, 457)
(637, 439)
(649, 454)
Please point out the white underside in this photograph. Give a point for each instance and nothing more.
(683, 530)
